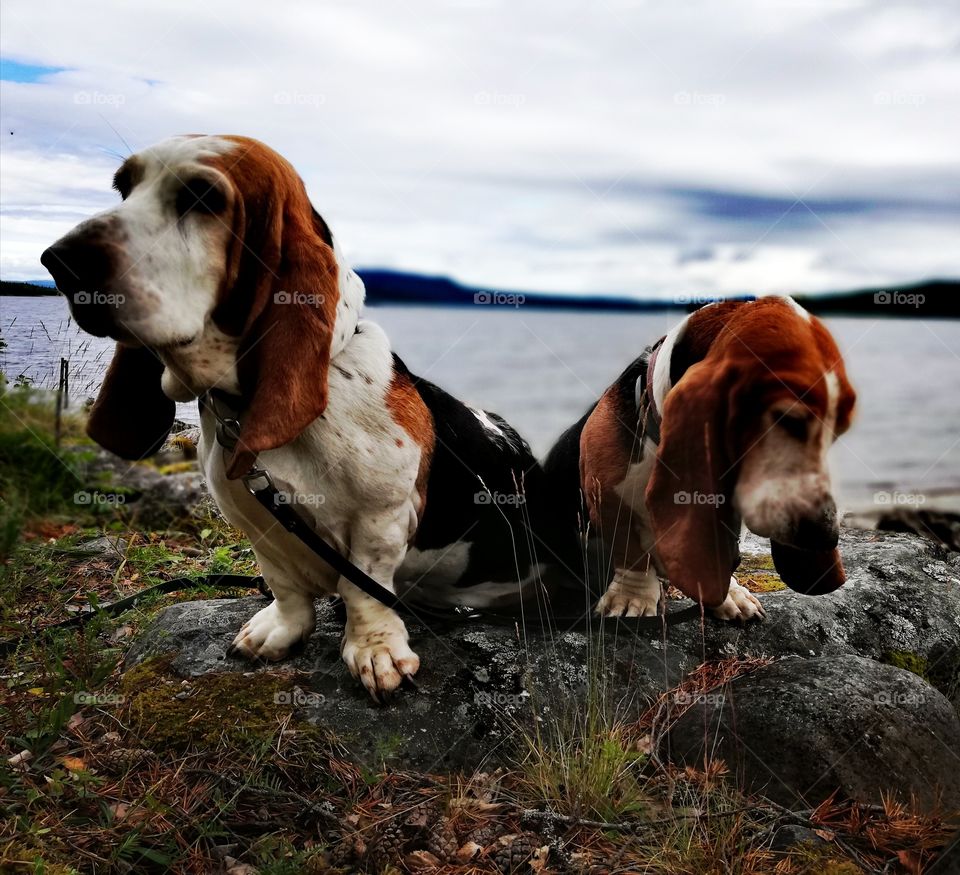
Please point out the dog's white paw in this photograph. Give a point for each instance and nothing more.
(630, 594)
(740, 604)
(624, 604)
(271, 632)
(379, 655)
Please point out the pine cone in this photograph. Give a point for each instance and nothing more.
(422, 816)
(388, 843)
(345, 853)
(409, 832)
(484, 835)
(442, 841)
(123, 757)
(514, 852)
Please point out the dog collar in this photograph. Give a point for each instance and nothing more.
(646, 401)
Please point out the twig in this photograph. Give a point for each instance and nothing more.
(309, 805)
(532, 814)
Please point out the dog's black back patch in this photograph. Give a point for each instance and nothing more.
(485, 488)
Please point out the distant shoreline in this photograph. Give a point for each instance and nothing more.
(930, 299)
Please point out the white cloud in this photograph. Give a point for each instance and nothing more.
(532, 146)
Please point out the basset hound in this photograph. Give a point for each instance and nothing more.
(216, 273)
(727, 420)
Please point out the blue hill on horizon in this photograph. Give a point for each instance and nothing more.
(929, 298)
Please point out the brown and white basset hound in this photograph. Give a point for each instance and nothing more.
(726, 420)
(216, 273)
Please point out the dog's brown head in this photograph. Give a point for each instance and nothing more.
(213, 272)
(745, 435)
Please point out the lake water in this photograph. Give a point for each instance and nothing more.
(541, 369)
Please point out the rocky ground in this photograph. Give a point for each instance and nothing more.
(861, 694)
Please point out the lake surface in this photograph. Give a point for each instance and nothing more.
(541, 369)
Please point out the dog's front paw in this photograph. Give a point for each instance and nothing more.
(740, 604)
(617, 603)
(630, 594)
(272, 632)
(379, 655)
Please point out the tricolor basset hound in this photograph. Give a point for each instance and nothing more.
(726, 420)
(216, 273)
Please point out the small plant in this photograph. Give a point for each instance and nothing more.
(584, 761)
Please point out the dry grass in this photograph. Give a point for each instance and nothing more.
(101, 791)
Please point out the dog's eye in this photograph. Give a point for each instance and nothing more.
(123, 182)
(200, 196)
(793, 425)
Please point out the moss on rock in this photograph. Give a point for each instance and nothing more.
(908, 660)
(758, 574)
(760, 581)
(809, 858)
(235, 709)
(757, 562)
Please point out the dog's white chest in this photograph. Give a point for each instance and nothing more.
(632, 489)
(353, 459)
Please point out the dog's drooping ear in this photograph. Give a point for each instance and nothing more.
(131, 416)
(811, 572)
(285, 356)
(690, 493)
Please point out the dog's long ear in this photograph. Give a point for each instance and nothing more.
(690, 493)
(131, 416)
(812, 572)
(285, 355)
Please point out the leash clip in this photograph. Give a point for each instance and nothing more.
(254, 475)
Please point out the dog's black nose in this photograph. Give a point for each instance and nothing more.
(81, 266)
(820, 532)
(78, 263)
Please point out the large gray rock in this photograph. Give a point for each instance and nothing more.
(901, 603)
(155, 500)
(800, 729)
(479, 679)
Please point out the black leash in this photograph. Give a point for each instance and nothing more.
(286, 514)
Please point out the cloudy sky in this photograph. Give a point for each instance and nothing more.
(616, 146)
